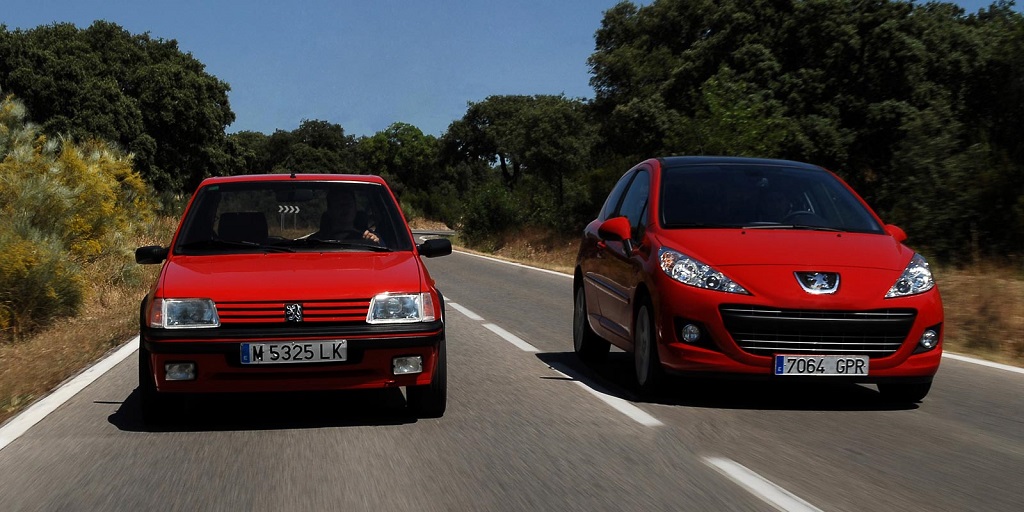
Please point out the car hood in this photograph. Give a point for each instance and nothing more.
(789, 247)
(765, 262)
(291, 276)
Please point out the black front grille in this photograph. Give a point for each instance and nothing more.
(767, 331)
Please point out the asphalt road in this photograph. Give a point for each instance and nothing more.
(530, 428)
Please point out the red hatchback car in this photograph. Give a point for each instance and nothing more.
(754, 267)
(292, 283)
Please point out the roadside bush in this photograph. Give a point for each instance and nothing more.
(489, 210)
(37, 283)
(63, 204)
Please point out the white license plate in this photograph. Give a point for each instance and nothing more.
(821, 365)
(280, 352)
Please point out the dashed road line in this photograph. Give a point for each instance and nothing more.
(511, 338)
(633, 412)
(623, 406)
(465, 312)
(759, 486)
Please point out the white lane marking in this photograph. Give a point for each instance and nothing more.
(514, 264)
(990, 364)
(762, 488)
(511, 338)
(471, 315)
(623, 406)
(39, 410)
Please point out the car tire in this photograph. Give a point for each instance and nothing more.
(430, 401)
(904, 392)
(647, 364)
(586, 343)
(155, 407)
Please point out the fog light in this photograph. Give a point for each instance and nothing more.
(407, 365)
(929, 339)
(691, 333)
(180, 371)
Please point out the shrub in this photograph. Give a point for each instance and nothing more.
(63, 204)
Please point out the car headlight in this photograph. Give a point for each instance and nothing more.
(916, 278)
(183, 314)
(401, 308)
(693, 272)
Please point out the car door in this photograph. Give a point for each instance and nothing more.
(621, 268)
(594, 255)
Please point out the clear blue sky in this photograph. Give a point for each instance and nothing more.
(362, 64)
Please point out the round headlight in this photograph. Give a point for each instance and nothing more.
(929, 339)
(691, 333)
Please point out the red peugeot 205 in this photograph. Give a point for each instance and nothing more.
(292, 283)
(716, 265)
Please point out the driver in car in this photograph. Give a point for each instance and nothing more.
(339, 221)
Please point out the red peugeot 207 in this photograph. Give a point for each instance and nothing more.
(716, 265)
(292, 283)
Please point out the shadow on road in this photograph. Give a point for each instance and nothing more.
(272, 411)
(614, 376)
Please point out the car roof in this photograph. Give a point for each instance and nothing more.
(248, 178)
(679, 161)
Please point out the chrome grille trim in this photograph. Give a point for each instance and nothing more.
(768, 331)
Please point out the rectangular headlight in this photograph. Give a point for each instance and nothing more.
(401, 308)
(183, 314)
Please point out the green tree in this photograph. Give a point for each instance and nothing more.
(142, 93)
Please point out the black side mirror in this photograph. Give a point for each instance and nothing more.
(151, 254)
(435, 247)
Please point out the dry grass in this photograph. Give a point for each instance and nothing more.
(32, 367)
(984, 309)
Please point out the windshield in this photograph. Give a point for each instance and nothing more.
(292, 216)
(760, 196)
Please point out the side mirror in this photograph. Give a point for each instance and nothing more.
(616, 229)
(896, 232)
(151, 254)
(435, 247)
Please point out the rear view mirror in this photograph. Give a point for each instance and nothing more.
(294, 195)
(616, 229)
(435, 247)
(896, 232)
(150, 254)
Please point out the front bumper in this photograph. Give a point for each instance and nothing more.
(719, 353)
(219, 369)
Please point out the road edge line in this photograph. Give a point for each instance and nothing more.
(23, 421)
(514, 264)
(982, 362)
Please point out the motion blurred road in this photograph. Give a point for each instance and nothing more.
(529, 427)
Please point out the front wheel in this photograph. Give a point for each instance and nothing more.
(904, 392)
(649, 373)
(430, 401)
(587, 344)
(157, 408)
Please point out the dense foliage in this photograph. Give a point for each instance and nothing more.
(920, 106)
(141, 93)
(63, 205)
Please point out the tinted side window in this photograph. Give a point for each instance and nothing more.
(634, 204)
(612, 203)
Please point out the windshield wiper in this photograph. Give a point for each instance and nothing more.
(696, 225)
(214, 244)
(350, 244)
(791, 226)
